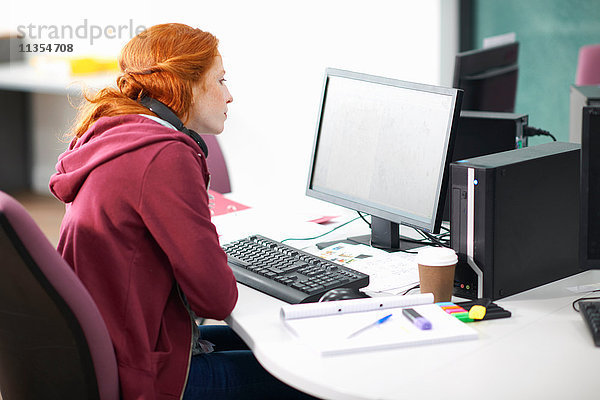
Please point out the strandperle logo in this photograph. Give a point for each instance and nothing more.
(84, 30)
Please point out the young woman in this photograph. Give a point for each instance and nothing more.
(137, 227)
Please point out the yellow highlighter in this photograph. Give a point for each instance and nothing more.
(477, 312)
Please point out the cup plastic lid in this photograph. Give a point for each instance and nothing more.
(437, 256)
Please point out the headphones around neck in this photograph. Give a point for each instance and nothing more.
(164, 112)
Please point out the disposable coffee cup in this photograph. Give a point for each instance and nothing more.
(436, 272)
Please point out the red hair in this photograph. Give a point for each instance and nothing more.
(164, 62)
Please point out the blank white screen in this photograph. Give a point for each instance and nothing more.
(383, 146)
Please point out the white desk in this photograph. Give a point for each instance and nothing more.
(544, 351)
(26, 78)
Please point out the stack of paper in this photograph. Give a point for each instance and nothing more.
(392, 273)
(328, 327)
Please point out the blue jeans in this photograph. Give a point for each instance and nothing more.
(232, 372)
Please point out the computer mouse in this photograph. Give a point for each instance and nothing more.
(343, 294)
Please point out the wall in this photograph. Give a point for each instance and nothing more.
(275, 53)
(550, 34)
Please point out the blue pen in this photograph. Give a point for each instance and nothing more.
(378, 322)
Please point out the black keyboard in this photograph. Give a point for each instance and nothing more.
(287, 273)
(590, 311)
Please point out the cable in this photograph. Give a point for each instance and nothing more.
(408, 290)
(428, 238)
(404, 239)
(433, 239)
(531, 131)
(363, 218)
(576, 302)
(321, 235)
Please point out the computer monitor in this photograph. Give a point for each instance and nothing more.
(488, 77)
(382, 147)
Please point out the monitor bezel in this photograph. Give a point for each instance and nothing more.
(399, 216)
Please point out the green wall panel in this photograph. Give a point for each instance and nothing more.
(550, 33)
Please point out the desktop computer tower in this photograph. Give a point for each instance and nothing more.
(580, 96)
(590, 188)
(480, 133)
(515, 219)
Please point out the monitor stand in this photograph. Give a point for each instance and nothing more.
(384, 235)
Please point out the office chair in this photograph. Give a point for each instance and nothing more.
(588, 65)
(54, 343)
(219, 177)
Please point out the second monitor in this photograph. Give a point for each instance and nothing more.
(383, 146)
(489, 77)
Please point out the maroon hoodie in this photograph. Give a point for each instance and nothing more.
(137, 223)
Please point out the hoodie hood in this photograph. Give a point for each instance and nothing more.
(107, 139)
